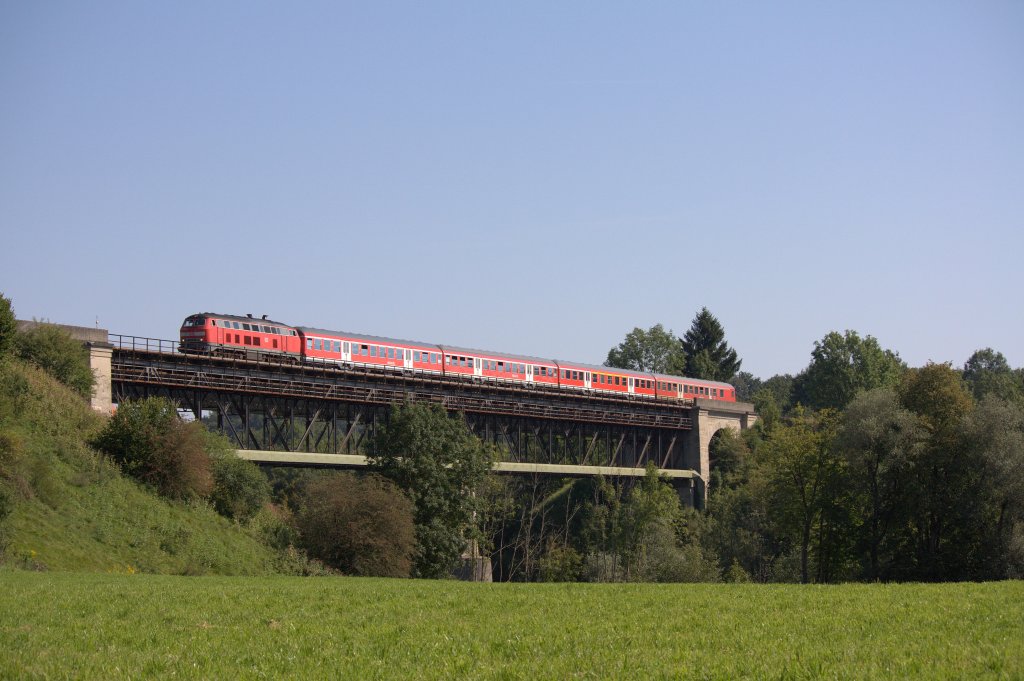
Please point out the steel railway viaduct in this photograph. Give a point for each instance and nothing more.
(325, 414)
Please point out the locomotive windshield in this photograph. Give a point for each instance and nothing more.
(195, 321)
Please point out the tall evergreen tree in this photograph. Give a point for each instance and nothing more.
(708, 356)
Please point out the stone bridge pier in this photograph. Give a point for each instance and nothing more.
(709, 417)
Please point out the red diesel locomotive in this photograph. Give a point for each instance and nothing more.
(210, 333)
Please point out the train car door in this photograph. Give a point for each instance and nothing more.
(630, 385)
(587, 380)
(477, 370)
(529, 373)
(407, 363)
(346, 351)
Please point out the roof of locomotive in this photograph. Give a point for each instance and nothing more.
(240, 318)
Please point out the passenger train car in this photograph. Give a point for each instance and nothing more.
(210, 333)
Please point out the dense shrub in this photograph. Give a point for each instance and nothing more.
(239, 487)
(360, 526)
(148, 440)
(56, 352)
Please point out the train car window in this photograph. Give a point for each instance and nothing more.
(373, 351)
(337, 346)
(364, 349)
(309, 343)
(317, 344)
(416, 356)
(234, 325)
(256, 341)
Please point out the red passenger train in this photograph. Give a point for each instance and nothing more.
(210, 333)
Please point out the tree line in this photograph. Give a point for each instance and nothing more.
(860, 468)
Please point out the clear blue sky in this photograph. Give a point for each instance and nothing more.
(526, 177)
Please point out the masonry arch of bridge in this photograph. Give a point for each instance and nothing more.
(710, 418)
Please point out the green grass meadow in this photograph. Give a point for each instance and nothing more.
(66, 625)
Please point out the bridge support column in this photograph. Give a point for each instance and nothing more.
(99, 362)
(711, 416)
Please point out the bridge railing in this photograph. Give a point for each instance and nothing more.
(140, 344)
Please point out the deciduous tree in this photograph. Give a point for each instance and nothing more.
(654, 350)
(797, 469)
(943, 500)
(843, 364)
(439, 464)
(880, 441)
(995, 431)
(987, 372)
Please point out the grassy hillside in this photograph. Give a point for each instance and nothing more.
(73, 510)
(144, 626)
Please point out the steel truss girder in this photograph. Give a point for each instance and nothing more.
(294, 409)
